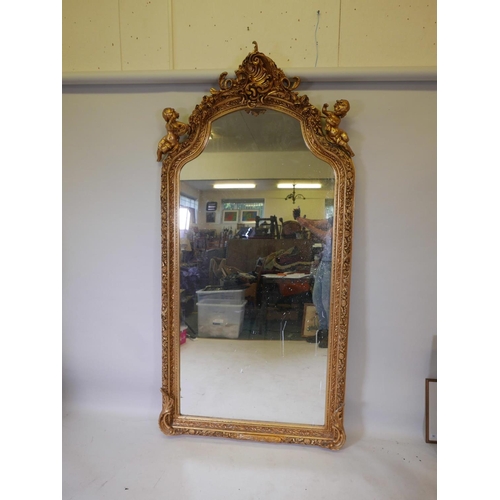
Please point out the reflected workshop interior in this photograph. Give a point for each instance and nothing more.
(248, 267)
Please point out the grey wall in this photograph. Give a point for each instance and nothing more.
(111, 247)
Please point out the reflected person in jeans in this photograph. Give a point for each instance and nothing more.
(322, 229)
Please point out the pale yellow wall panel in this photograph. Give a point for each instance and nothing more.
(145, 34)
(388, 33)
(113, 35)
(219, 34)
(90, 35)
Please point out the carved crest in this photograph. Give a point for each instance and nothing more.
(258, 82)
(256, 78)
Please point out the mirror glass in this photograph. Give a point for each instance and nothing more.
(249, 271)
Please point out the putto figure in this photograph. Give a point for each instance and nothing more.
(175, 129)
(332, 130)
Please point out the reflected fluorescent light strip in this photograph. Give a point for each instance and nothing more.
(301, 185)
(234, 186)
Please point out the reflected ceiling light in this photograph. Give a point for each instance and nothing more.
(234, 186)
(302, 185)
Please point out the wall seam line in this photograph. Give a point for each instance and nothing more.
(171, 30)
(338, 36)
(120, 34)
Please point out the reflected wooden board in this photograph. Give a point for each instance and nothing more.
(310, 322)
(244, 253)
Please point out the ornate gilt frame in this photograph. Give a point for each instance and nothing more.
(259, 84)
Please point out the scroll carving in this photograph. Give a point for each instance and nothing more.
(166, 414)
(257, 77)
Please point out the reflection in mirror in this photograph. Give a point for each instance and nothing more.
(255, 273)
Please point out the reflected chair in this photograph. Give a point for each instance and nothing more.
(266, 228)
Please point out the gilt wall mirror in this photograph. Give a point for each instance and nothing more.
(257, 197)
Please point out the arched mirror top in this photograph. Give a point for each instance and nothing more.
(258, 85)
(260, 88)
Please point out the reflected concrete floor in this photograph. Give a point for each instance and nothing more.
(254, 380)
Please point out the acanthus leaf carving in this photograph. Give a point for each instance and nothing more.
(256, 78)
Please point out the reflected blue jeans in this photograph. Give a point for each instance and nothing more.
(321, 293)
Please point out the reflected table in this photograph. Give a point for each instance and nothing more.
(282, 296)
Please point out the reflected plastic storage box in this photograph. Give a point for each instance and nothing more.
(220, 318)
(220, 294)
